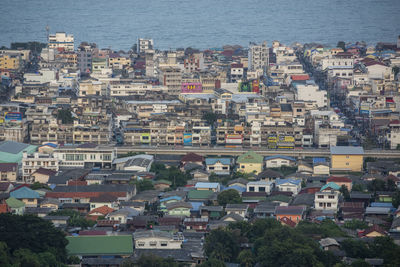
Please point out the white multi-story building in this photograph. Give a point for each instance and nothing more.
(327, 200)
(311, 92)
(157, 240)
(127, 89)
(259, 186)
(86, 155)
(32, 162)
(258, 56)
(144, 44)
(61, 40)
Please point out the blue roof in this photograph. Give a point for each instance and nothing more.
(318, 160)
(332, 185)
(177, 198)
(206, 185)
(280, 157)
(196, 206)
(238, 188)
(347, 150)
(24, 192)
(224, 161)
(283, 181)
(382, 204)
(50, 144)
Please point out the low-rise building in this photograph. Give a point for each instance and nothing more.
(8, 172)
(150, 239)
(326, 200)
(347, 158)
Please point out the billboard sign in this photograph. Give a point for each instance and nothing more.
(235, 139)
(187, 139)
(13, 117)
(245, 87)
(255, 86)
(191, 88)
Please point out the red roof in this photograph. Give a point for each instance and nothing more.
(4, 208)
(374, 228)
(287, 221)
(103, 210)
(192, 157)
(337, 179)
(373, 62)
(236, 65)
(302, 77)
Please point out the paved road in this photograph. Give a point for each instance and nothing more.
(222, 151)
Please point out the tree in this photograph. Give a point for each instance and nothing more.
(390, 185)
(246, 258)
(157, 167)
(376, 185)
(212, 263)
(151, 260)
(75, 218)
(210, 117)
(355, 249)
(341, 44)
(360, 263)
(230, 196)
(343, 189)
(396, 199)
(37, 185)
(220, 244)
(142, 185)
(65, 116)
(357, 187)
(32, 233)
(355, 224)
(4, 254)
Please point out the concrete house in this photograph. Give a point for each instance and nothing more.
(219, 166)
(26, 195)
(347, 158)
(238, 209)
(288, 185)
(259, 186)
(178, 208)
(215, 187)
(157, 240)
(279, 161)
(250, 162)
(326, 200)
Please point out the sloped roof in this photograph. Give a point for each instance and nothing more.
(290, 181)
(8, 167)
(268, 173)
(200, 194)
(45, 171)
(337, 179)
(250, 157)
(103, 198)
(24, 192)
(100, 245)
(280, 157)
(206, 185)
(12, 147)
(287, 221)
(224, 161)
(103, 210)
(346, 150)
(331, 185)
(179, 204)
(15, 203)
(192, 157)
(289, 210)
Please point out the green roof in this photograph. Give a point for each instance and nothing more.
(281, 198)
(250, 157)
(14, 203)
(100, 245)
(200, 194)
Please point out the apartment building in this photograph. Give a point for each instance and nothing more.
(32, 162)
(193, 63)
(144, 44)
(91, 87)
(10, 61)
(171, 77)
(85, 156)
(258, 56)
(61, 40)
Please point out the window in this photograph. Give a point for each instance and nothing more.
(320, 204)
(251, 189)
(331, 197)
(164, 243)
(153, 243)
(328, 204)
(261, 189)
(140, 244)
(320, 196)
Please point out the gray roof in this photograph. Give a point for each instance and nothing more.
(328, 242)
(95, 188)
(50, 217)
(236, 206)
(303, 199)
(150, 233)
(377, 210)
(347, 150)
(212, 208)
(12, 147)
(234, 216)
(124, 211)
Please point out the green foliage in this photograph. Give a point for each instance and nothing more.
(327, 228)
(343, 189)
(220, 244)
(381, 185)
(274, 245)
(341, 44)
(73, 260)
(142, 185)
(75, 218)
(157, 167)
(65, 116)
(285, 170)
(174, 175)
(151, 260)
(356, 249)
(230, 196)
(355, 224)
(396, 199)
(357, 187)
(212, 263)
(246, 258)
(38, 185)
(30, 241)
(360, 263)
(33, 46)
(210, 118)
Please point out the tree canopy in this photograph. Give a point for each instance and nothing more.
(230, 196)
(31, 240)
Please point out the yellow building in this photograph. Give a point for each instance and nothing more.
(90, 87)
(9, 61)
(347, 158)
(118, 62)
(250, 162)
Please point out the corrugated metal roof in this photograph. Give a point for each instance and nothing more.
(347, 150)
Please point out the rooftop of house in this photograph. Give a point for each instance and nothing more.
(207, 185)
(268, 173)
(103, 210)
(250, 157)
(45, 171)
(8, 167)
(12, 147)
(338, 179)
(223, 161)
(346, 150)
(192, 157)
(279, 157)
(289, 210)
(24, 193)
(100, 245)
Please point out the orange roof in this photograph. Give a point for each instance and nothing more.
(337, 179)
(103, 210)
(302, 77)
(287, 221)
(4, 208)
